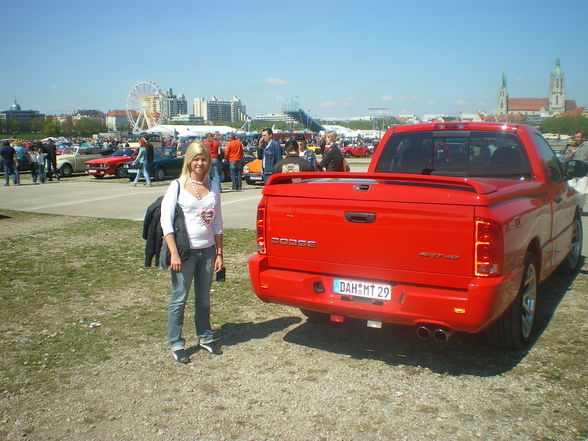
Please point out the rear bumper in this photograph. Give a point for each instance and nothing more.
(468, 310)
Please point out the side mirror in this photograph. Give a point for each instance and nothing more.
(576, 169)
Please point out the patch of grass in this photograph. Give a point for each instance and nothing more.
(75, 289)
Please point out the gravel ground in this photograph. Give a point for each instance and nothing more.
(283, 378)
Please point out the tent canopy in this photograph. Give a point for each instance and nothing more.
(189, 131)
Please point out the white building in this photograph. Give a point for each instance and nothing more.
(116, 120)
(172, 105)
(214, 110)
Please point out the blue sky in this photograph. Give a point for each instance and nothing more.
(337, 58)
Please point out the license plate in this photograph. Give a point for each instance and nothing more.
(256, 178)
(370, 290)
(131, 170)
(91, 171)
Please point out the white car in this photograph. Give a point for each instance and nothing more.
(74, 162)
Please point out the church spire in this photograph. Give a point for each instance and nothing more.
(557, 92)
(503, 96)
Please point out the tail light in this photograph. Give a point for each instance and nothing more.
(489, 249)
(260, 224)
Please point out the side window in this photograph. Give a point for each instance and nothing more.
(550, 159)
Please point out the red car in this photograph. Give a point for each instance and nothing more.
(355, 150)
(111, 165)
(453, 228)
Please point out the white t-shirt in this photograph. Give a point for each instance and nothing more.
(203, 216)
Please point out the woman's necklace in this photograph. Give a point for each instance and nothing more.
(195, 188)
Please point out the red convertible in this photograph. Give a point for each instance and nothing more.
(111, 165)
(355, 150)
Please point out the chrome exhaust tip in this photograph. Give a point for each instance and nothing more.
(442, 335)
(423, 332)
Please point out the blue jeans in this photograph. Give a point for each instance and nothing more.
(42, 176)
(236, 168)
(9, 169)
(200, 268)
(143, 169)
(216, 171)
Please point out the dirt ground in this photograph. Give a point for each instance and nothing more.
(283, 378)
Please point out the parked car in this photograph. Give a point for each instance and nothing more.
(72, 159)
(166, 164)
(247, 158)
(467, 220)
(355, 150)
(252, 172)
(111, 165)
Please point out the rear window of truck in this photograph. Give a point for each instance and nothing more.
(456, 153)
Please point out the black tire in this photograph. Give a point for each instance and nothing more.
(314, 316)
(120, 172)
(66, 171)
(98, 176)
(572, 261)
(159, 174)
(250, 181)
(514, 329)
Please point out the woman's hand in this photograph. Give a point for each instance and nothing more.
(218, 263)
(175, 262)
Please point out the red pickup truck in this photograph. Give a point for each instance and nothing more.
(453, 228)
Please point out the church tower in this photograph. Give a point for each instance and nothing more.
(503, 97)
(557, 92)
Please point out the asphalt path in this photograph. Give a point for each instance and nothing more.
(116, 198)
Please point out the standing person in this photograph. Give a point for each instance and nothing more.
(9, 163)
(214, 147)
(234, 154)
(271, 154)
(142, 160)
(51, 161)
(199, 200)
(33, 156)
(42, 156)
(293, 162)
(305, 152)
(581, 148)
(21, 154)
(333, 159)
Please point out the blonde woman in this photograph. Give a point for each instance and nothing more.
(333, 158)
(199, 199)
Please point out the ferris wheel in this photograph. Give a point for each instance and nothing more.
(144, 106)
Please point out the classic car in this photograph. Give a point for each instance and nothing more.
(355, 150)
(166, 164)
(111, 165)
(72, 159)
(252, 172)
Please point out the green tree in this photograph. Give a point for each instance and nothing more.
(565, 125)
(52, 127)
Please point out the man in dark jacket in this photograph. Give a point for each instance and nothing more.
(51, 164)
(292, 163)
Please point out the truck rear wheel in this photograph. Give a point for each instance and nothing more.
(572, 261)
(314, 316)
(513, 330)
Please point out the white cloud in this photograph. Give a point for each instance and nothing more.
(431, 103)
(386, 98)
(462, 102)
(275, 82)
(415, 97)
(329, 104)
(520, 80)
(54, 86)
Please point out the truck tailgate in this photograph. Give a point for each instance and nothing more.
(377, 227)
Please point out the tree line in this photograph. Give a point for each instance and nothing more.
(565, 125)
(82, 127)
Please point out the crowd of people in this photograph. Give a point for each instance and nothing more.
(41, 159)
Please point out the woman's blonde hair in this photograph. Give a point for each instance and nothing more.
(331, 136)
(194, 149)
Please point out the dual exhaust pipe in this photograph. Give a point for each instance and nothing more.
(439, 334)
